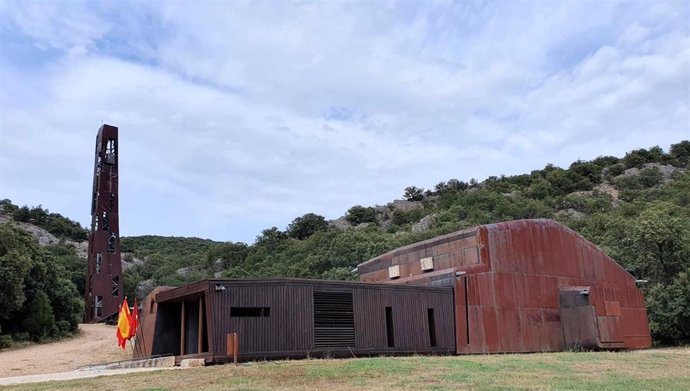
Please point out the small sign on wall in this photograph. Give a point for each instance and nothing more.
(394, 271)
(427, 263)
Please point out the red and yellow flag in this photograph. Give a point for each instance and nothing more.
(123, 322)
(134, 320)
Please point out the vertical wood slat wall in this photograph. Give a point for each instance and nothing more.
(289, 329)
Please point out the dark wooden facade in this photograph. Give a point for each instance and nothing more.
(277, 318)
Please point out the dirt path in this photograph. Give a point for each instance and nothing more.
(94, 344)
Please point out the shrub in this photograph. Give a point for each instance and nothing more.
(650, 176)
(305, 226)
(5, 341)
(615, 170)
(359, 214)
(414, 193)
(40, 320)
(627, 183)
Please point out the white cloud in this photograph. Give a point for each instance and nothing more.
(238, 117)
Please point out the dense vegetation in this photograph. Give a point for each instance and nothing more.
(54, 223)
(636, 208)
(38, 298)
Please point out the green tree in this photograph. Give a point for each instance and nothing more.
(615, 170)
(539, 189)
(271, 237)
(414, 193)
(306, 225)
(669, 309)
(681, 153)
(659, 242)
(38, 297)
(39, 321)
(650, 176)
(359, 214)
(588, 170)
(14, 269)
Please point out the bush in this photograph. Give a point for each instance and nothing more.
(5, 341)
(359, 214)
(615, 170)
(305, 226)
(627, 183)
(681, 153)
(414, 193)
(669, 310)
(595, 203)
(40, 320)
(400, 217)
(650, 177)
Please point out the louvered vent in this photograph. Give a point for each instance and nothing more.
(334, 323)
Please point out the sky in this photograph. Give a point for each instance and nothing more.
(238, 116)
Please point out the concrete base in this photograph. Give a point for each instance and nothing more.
(192, 363)
(158, 362)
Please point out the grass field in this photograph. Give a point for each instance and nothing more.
(659, 369)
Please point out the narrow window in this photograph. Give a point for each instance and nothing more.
(110, 152)
(116, 286)
(432, 326)
(111, 243)
(98, 306)
(99, 263)
(256, 312)
(389, 327)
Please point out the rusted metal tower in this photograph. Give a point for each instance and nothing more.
(104, 289)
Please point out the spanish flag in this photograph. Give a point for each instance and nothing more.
(134, 320)
(123, 322)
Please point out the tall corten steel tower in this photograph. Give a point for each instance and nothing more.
(104, 269)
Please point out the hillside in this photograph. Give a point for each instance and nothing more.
(636, 208)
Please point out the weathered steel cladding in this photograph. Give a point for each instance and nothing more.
(288, 329)
(104, 286)
(539, 257)
(448, 252)
(507, 298)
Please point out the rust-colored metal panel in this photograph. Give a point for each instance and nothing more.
(500, 246)
(549, 292)
(609, 329)
(533, 323)
(476, 330)
(553, 331)
(473, 292)
(490, 321)
(506, 293)
(486, 289)
(510, 330)
(530, 290)
(613, 308)
(461, 315)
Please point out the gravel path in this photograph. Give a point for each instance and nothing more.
(6, 381)
(96, 343)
